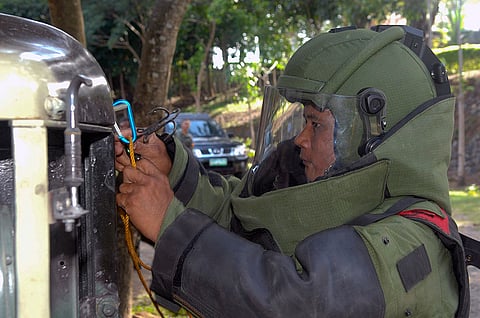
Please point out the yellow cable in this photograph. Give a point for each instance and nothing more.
(131, 151)
(137, 262)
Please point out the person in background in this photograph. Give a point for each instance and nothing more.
(346, 210)
(184, 135)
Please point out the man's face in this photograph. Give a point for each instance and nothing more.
(185, 125)
(316, 142)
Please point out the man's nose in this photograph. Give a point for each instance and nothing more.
(301, 140)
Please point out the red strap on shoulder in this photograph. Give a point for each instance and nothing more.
(430, 217)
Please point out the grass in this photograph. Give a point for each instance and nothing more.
(226, 106)
(143, 307)
(466, 205)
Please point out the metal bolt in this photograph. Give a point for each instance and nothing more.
(69, 224)
(108, 310)
(408, 313)
(59, 206)
(385, 240)
(8, 259)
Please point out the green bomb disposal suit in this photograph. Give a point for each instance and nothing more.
(312, 250)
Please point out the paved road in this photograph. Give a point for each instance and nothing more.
(474, 292)
(146, 255)
(474, 273)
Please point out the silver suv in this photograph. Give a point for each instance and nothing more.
(213, 146)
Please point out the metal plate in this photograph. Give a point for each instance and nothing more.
(218, 162)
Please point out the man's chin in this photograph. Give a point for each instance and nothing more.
(310, 173)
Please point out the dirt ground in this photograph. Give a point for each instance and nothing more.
(146, 254)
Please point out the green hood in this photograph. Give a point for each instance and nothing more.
(419, 153)
(418, 136)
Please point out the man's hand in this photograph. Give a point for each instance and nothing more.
(153, 149)
(145, 195)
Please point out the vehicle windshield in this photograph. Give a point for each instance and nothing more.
(205, 128)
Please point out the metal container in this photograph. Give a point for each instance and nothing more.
(57, 204)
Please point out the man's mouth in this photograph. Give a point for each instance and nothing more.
(304, 161)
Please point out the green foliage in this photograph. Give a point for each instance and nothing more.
(363, 13)
(473, 190)
(249, 149)
(113, 29)
(32, 9)
(412, 10)
(449, 57)
(466, 205)
(246, 76)
(455, 18)
(276, 28)
(217, 107)
(238, 106)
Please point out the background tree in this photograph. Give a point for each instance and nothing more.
(194, 46)
(365, 13)
(420, 14)
(68, 16)
(455, 31)
(223, 24)
(455, 16)
(32, 9)
(115, 33)
(157, 56)
(455, 19)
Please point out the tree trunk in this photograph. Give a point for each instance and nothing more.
(68, 16)
(460, 104)
(157, 56)
(461, 122)
(203, 65)
(250, 123)
(226, 70)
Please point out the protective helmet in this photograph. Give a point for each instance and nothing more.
(369, 79)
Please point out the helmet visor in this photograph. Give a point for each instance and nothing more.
(283, 119)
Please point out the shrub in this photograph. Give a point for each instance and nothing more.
(449, 57)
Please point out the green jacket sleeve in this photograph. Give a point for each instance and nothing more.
(196, 188)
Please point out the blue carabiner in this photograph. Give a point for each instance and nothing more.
(121, 105)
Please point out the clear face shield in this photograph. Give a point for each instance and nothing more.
(284, 119)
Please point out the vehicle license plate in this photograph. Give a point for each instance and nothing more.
(218, 162)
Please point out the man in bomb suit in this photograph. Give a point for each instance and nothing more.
(346, 210)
